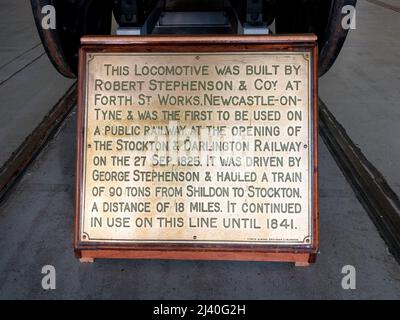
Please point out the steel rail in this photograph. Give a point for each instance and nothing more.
(371, 188)
(33, 144)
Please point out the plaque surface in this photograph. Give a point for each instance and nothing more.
(197, 144)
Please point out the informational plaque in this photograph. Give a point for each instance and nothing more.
(198, 148)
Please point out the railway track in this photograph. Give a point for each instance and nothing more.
(369, 185)
(385, 5)
(15, 166)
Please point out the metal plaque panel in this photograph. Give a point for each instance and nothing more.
(197, 148)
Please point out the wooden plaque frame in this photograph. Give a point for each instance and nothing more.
(300, 255)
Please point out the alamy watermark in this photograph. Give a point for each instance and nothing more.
(49, 20)
(349, 279)
(49, 280)
(349, 18)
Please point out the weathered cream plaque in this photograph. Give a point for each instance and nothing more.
(197, 147)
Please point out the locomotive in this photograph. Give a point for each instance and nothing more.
(76, 18)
